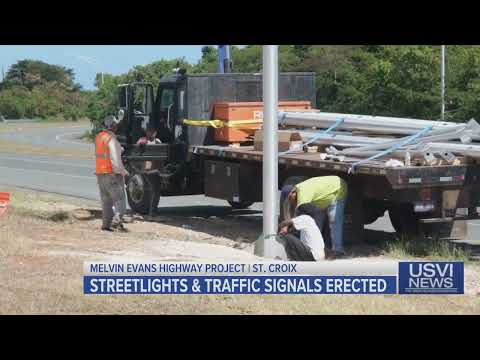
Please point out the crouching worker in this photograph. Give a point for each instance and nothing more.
(328, 195)
(110, 176)
(301, 237)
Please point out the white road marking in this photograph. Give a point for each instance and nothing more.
(49, 173)
(45, 162)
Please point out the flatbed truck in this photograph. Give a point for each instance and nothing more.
(421, 200)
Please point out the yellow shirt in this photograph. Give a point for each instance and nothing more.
(322, 191)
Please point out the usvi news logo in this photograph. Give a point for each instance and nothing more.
(431, 278)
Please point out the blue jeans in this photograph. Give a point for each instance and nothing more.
(335, 212)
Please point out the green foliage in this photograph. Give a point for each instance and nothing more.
(31, 73)
(33, 89)
(386, 80)
(432, 248)
(389, 80)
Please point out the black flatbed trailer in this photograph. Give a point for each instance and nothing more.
(450, 192)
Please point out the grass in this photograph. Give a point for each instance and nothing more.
(41, 272)
(55, 216)
(43, 206)
(88, 136)
(435, 249)
(29, 149)
(13, 146)
(55, 119)
(20, 147)
(41, 123)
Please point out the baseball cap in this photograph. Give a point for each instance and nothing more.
(110, 120)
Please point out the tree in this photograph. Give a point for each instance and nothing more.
(30, 73)
(35, 89)
(390, 80)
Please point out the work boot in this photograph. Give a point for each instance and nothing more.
(339, 255)
(119, 228)
(105, 228)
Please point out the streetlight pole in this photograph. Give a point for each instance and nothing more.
(267, 244)
(442, 85)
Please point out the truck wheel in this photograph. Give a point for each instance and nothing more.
(404, 220)
(240, 205)
(140, 194)
(372, 210)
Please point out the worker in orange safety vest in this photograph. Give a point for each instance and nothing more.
(110, 176)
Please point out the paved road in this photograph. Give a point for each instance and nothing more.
(57, 137)
(67, 177)
(76, 178)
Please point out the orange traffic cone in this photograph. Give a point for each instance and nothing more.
(4, 202)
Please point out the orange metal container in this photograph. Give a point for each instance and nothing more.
(229, 111)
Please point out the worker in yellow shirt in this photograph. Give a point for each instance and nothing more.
(328, 194)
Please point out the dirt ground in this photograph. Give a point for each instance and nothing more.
(44, 240)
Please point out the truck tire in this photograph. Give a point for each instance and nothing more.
(404, 220)
(240, 205)
(372, 210)
(142, 196)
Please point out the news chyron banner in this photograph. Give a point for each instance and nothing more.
(273, 278)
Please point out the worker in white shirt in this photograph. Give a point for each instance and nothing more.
(301, 237)
(110, 176)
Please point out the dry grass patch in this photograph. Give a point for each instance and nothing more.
(28, 149)
(41, 269)
(434, 249)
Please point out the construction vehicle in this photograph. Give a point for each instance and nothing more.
(434, 200)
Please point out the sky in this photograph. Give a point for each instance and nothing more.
(87, 60)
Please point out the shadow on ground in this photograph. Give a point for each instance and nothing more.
(218, 221)
(373, 243)
(245, 226)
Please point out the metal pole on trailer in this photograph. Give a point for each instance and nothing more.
(266, 244)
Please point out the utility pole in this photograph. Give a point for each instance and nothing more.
(224, 62)
(442, 85)
(267, 245)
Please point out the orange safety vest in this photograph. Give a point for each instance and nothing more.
(102, 153)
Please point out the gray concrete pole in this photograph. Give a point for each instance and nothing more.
(268, 244)
(442, 85)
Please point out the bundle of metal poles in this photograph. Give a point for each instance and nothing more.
(361, 123)
(339, 135)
